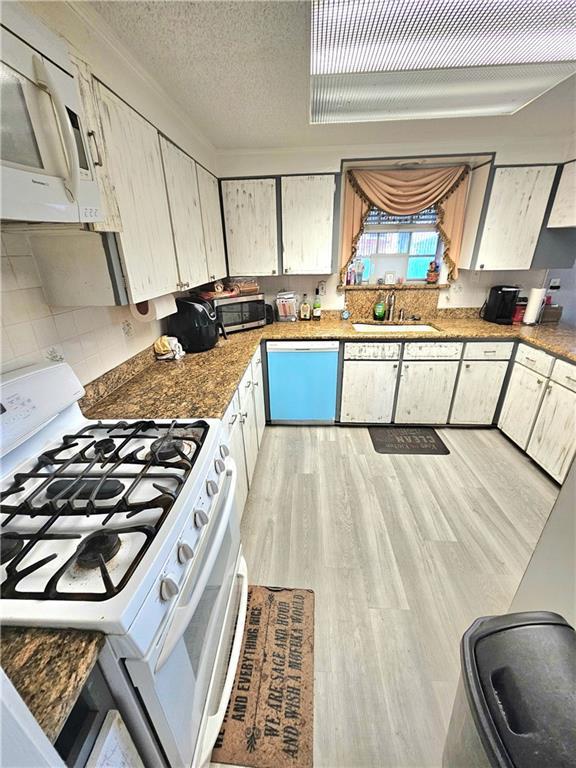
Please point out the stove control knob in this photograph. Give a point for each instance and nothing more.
(185, 552)
(211, 488)
(224, 451)
(168, 588)
(219, 466)
(200, 518)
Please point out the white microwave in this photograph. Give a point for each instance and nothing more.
(47, 171)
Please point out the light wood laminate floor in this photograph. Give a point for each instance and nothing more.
(403, 552)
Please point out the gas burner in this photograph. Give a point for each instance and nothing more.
(104, 446)
(100, 545)
(81, 489)
(9, 548)
(169, 447)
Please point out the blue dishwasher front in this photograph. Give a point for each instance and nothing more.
(302, 379)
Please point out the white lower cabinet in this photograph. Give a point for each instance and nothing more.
(425, 392)
(521, 404)
(368, 388)
(233, 425)
(477, 392)
(258, 393)
(553, 440)
(250, 432)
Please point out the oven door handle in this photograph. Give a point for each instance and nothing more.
(186, 609)
(46, 81)
(214, 721)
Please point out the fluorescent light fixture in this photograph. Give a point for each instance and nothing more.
(407, 59)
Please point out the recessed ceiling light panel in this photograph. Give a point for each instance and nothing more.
(399, 59)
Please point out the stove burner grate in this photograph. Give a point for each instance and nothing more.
(71, 479)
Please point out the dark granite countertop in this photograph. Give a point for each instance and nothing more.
(48, 668)
(203, 384)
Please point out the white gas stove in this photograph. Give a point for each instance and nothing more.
(127, 527)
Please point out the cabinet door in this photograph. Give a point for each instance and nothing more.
(136, 171)
(212, 223)
(515, 213)
(250, 433)
(425, 392)
(236, 445)
(251, 230)
(97, 148)
(477, 392)
(553, 440)
(184, 200)
(368, 389)
(307, 221)
(258, 392)
(523, 397)
(563, 213)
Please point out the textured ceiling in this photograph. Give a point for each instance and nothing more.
(241, 71)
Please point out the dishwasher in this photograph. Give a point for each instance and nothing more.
(302, 381)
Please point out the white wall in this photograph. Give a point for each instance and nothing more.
(95, 40)
(92, 339)
(471, 288)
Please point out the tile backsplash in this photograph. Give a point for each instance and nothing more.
(92, 340)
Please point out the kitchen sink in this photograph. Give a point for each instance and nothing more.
(390, 328)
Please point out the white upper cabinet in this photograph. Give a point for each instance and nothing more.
(212, 223)
(307, 224)
(563, 213)
(474, 204)
(514, 217)
(135, 169)
(184, 199)
(251, 228)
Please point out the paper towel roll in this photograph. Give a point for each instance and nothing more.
(536, 298)
(154, 309)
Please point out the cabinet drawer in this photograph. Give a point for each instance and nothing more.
(488, 350)
(535, 359)
(371, 351)
(434, 350)
(564, 373)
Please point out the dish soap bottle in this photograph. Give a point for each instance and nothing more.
(305, 308)
(317, 307)
(379, 309)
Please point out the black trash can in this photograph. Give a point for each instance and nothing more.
(515, 706)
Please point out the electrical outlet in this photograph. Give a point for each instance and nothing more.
(128, 329)
(322, 287)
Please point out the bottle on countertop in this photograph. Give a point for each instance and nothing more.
(317, 307)
(379, 309)
(305, 312)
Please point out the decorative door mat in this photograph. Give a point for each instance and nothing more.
(415, 440)
(269, 720)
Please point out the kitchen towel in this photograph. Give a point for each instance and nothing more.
(536, 299)
(154, 309)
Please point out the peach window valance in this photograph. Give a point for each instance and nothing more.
(402, 193)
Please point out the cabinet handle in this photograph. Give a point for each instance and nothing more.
(256, 384)
(185, 285)
(98, 161)
(467, 365)
(248, 384)
(489, 351)
(273, 271)
(212, 277)
(395, 365)
(243, 417)
(549, 389)
(531, 359)
(233, 419)
(539, 381)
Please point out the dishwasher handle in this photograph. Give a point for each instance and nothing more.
(303, 346)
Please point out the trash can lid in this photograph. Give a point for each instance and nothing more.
(519, 673)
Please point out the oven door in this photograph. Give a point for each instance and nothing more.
(47, 174)
(185, 681)
(241, 313)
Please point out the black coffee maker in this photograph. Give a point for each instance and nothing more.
(195, 325)
(500, 304)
